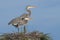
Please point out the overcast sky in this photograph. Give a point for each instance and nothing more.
(45, 18)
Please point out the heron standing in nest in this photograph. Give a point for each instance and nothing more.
(23, 19)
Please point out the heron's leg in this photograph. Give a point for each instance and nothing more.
(18, 29)
(18, 32)
(25, 29)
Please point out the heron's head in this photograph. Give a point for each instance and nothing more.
(29, 6)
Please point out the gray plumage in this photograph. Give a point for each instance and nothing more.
(23, 19)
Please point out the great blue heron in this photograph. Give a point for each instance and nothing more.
(23, 19)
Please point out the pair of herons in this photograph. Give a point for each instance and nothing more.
(23, 19)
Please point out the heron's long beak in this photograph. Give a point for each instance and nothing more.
(28, 7)
(33, 6)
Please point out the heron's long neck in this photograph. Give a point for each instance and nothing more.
(29, 11)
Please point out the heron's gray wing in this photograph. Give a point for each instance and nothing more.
(22, 22)
(14, 21)
(24, 15)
